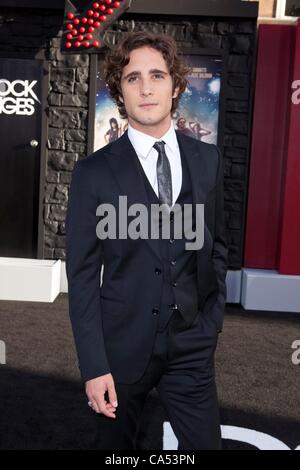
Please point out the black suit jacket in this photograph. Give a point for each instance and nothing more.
(113, 324)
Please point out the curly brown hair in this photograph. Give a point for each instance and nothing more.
(119, 57)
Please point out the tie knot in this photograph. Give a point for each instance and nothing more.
(159, 146)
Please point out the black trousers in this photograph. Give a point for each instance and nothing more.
(182, 370)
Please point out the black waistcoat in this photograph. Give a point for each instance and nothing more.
(179, 266)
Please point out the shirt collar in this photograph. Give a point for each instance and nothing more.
(143, 143)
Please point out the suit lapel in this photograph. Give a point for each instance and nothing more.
(190, 148)
(123, 161)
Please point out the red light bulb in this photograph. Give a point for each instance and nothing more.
(96, 44)
(96, 5)
(91, 29)
(116, 4)
(81, 29)
(69, 26)
(96, 14)
(69, 36)
(90, 13)
(97, 24)
(103, 8)
(86, 44)
(68, 45)
(74, 32)
(108, 2)
(103, 18)
(91, 21)
(89, 36)
(80, 37)
(70, 16)
(76, 21)
(110, 11)
(84, 20)
(77, 44)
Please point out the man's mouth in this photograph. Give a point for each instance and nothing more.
(147, 105)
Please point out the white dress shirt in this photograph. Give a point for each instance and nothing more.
(143, 145)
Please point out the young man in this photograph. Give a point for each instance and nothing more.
(155, 318)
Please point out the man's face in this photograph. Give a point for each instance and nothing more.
(181, 124)
(147, 89)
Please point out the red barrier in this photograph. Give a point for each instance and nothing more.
(289, 250)
(269, 147)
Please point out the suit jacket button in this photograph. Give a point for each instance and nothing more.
(157, 271)
(155, 311)
(173, 262)
(173, 306)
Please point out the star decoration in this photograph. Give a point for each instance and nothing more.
(83, 30)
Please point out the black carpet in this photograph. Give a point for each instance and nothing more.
(43, 404)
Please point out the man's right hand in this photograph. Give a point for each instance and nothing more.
(95, 390)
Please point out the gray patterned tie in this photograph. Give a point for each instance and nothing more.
(164, 176)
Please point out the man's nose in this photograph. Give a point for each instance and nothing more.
(145, 88)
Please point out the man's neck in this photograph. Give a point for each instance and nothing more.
(154, 131)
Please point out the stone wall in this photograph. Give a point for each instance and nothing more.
(36, 35)
(67, 139)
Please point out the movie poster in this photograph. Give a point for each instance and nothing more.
(198, 111)
(197, 114)
(108, 126)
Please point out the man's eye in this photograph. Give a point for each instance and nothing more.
(132, 79)
(158, 75)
